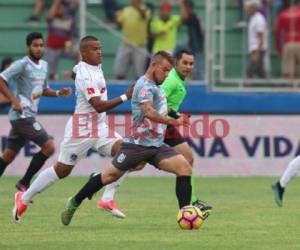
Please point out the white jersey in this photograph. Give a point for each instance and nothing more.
(89, 82)
(257, 24)
(87, 129)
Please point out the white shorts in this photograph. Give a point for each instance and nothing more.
(73, 149)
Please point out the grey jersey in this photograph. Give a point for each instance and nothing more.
(30, 80)
(146, 132)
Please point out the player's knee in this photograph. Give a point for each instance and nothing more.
(188, 155)
(116, 147)
(8, 155)
(50, 151)
(110, 175)
(48, 148)
(109, 178)
(190, 160)
(184, 168)
(62, 170)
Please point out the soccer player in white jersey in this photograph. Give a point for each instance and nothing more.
(29, 75)
(279, 187)
(81, 134)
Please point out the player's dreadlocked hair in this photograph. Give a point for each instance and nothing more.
(161, 55)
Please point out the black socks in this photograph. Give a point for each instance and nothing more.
(93, 185)
(3, 166)
(35, 165)
(183, 190)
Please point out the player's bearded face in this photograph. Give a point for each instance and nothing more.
(36, 49)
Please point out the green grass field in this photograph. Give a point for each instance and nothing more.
(244, 217)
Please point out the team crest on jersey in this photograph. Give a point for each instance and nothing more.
(37, 126)
(73, 157)
(121, 158)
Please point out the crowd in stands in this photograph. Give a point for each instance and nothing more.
(264, 15)
(62, 39)
(145, 31)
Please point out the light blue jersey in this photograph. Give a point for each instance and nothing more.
(30, 80)
(146, 132)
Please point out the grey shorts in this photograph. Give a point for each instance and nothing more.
(130, 155)
(26, 129)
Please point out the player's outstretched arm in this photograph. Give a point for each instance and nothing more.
(57, 93)
(150, 113)
(103, 106)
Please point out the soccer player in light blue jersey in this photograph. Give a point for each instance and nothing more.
(30, 77)
(146, 142)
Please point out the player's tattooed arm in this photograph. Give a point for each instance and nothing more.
(150, 113)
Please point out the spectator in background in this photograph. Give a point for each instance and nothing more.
(241, 23)
(38, 8)
(6, 62)
(40, 4)
(287, 38)
(195, 36)
(133, 20)
(164, 29)
(150, 41)
(110, 8)
(265, 7)
(60, 41)
(280, 5)
(257, 40)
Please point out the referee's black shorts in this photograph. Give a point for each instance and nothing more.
(173, 136)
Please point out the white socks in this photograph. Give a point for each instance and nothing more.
(291, 171)
(45, 179)
(110, 189)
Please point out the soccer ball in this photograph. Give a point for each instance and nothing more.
(189, 218)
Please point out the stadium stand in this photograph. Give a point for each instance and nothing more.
(13, 30)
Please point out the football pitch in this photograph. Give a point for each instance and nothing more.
(244, 217)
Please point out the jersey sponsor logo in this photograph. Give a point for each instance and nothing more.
(143, 92)
(90, 91)
(121, 158)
